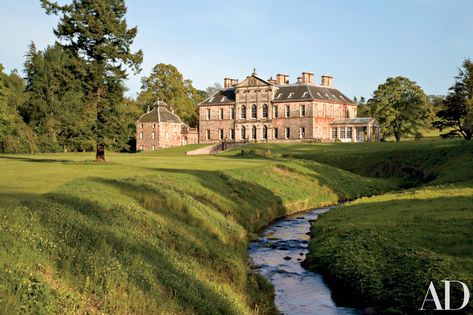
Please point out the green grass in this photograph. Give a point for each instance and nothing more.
(145, 233)
(383, 251)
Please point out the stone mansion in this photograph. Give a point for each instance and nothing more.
(256, 110)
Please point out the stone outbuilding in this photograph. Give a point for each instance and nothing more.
(161, 128)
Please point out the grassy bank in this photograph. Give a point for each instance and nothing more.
(149, 233)
(383, 251)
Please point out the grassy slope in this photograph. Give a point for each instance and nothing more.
(383, 251)
(148, 233)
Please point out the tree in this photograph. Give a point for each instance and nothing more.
(166, 83)
(15, 135)
(456, 114)
(96, 33)
(56, 107)
(400, 106)
(362, 109)
(209, 91)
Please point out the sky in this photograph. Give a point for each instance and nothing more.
(360, 43)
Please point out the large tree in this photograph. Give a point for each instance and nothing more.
(167, 84)
(15, 135)
(456, 114)
(96, 33)
(57, 108)
(400, 106)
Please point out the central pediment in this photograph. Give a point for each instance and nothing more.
(252, 81)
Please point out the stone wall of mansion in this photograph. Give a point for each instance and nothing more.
(273, 110)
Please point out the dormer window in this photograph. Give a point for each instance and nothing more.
(305, 94)
(279, 96)
(211, 99)
(320, 95)
(223, 99)
(290, 95)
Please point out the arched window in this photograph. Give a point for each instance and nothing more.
(253, 133)
(243, 133)
(253, 111)
(243, 112)
(265, 132)
(265, 111)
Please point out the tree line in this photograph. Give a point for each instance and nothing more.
(403, 109)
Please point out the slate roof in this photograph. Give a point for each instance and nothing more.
(160, 113)
(304, 91)
(286, 93)
(224, 96)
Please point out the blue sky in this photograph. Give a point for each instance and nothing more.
(360, 43)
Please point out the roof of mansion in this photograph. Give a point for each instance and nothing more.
(300, 91)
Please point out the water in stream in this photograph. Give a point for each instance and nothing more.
(277, 255)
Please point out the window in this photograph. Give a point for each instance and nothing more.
(141, 147)
(243, 133)
(342, 133)
(288, 110)
(302, 110)
(253, 111)
(154, 126)
(207, 134)
(265, 132)
(208, 113)
(334, 133)
(349, 132)
(290, 95)
(141, 125)
(302, 133)
(220, 134)
(153, 135)
(275, 111)
(253, 132)
(347, 114)
(153, 147)
(265, 111)
(275, 133)
(279, 96)
(167, 135)
(305, 94)
(288, 133)
(232, 134)
(211, 99)
(221, 114)
(243, 112)
(232, 113)
(141, 135)
(222, 99)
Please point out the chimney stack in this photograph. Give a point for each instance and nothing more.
(282, 78)
(326, 80)
(307, 77)
(299, 80)
(234, 82)
(227, 82)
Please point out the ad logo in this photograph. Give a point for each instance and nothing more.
(435, 299)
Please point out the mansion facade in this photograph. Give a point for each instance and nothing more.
(256, 110)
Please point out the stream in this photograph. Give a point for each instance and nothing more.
(277, 255)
